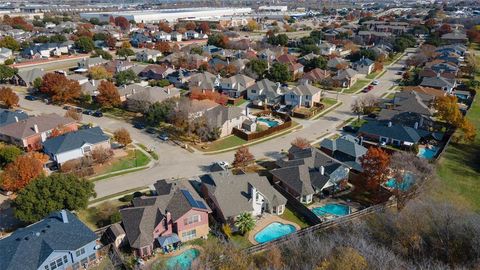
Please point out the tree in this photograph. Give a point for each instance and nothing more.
(245, 222)
(364, 104)
(21, 171)
(122, 136)
(219, 40)
(279, 73)
(448, 111)
(159, 111)
(99, 73)
(190, 25)
(163, 46)
(108, 95)
(37, 83)
(6, 72)
(375, 168)
(301, 143)
(52, 193)
(125, 52)
(204, 27)
(72, 113)
(10, 43)
(445, 29)
(317, 62)
(8, 97)
(280, 39)
(344, 258)
(8, 154)
(378, 66)
(122, 22)
(61, 89)
(258, 67)
(111, 41)
(85, 44)
(243, 158)
(125, 77)
(468, 131)
(164, 27)
(101, 155)
(101, 53)
(252, 25)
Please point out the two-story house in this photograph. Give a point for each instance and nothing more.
(303, 95)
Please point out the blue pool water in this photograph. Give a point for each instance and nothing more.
(332, 209)
(270, 123)
(273, 231)
(461, 96)
(408, 181)
(427, 153)
(184, 260)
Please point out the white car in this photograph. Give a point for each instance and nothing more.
(375, 82)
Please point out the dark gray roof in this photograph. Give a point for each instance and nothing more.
(437, 82)
(397, 132)
(346, 144)
(29, 247)
(232, 191)
(8, 117)
(28, 76)
(74, 140)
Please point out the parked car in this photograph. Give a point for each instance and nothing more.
(350, 129)
(47, 100)
(88, 112)
(372, 115)
(163, 137)
(375, 82)
(98, 114)
(79, 110)
(365, 90)
(399, 73)
(31, 98)
(139, 125)
(151, 130)
(67, 107)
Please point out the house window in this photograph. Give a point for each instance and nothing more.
(307, 97)
(189, 235)
(65, 259)
(191, 219)
(87, 149)
(46, 267)
(80, 252)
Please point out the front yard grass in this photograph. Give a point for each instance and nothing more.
(372, 75)
(359, 85)
(289, 215)
(135, 158)
(358, 122)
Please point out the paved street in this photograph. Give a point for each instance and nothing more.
(177, 162)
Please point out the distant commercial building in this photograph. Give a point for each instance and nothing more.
(170, 15)
(273, 8)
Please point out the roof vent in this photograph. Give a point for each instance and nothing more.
(64, 216)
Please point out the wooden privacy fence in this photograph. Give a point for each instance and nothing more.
(321, 227)
(287, 122)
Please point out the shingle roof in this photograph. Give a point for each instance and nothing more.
(438, 82)
(221, 114)
(346, 144)
(29, 76)
(74, 140)
(397, 132)
(25, 128)
(29, 247)
(8, 117)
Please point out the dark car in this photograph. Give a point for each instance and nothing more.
(350, 129)
(67, 107)
(151, 130)
(399, 73)
(31, 98)
(98, 114)
(139, 125)
(88, 112)
(163, 137)
(372, 115)
(78, 110)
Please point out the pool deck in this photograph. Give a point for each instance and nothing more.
(266, 220)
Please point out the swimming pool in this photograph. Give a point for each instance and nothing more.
(408, 181)
(332, 209)
(270, 123)
(273, 231)
(427, 153)
(184, 260)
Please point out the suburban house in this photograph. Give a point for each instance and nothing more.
(162, 36)
(26, 77)
(116, 66)
(127, 90)
(346, 77)
(76, 144)
(175, 214)
(225, 118)
(148, 54)
(8, 117)
(230, 195)
(327, 48)
(204, 81)
(363, 66)
(267, 55)
(303, 95)
(141, 101)
(266, 92)
(316, 75)
(59, 241)
(45, 50)
(156, 72)
(86, 63)
(176, 36)
(31, 132)
(307, 172)
(336, 62)
(425, 90)
(455, 37)
(236, 85)
(441, 83)
(180, 77)
(5, 54)
(347, 149)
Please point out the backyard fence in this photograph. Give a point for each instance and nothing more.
(256, 135)
(321, 227)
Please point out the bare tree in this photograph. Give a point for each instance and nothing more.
(364, 104)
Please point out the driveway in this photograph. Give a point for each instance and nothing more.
(175, 162)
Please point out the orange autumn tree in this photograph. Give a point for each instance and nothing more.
(375, 164)
(163, 46)
(243, 158)
(61, 89)
(301, 143)
(22, 171)
(8, 97)
(211, 95)
(108, 95)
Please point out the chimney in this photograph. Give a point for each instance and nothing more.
(35, 127)
(168, 90)
(16, 119)
(322, 170)
(278, 88)
(416, 125)
(93, 82)
(390, 124)
(64, 216)
(360, 140)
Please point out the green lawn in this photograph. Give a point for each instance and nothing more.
(93, 216)
(459, 168)
(146, 149)
(241, 241)
(135, 158)
(291, 216)
(359, 85)
(329, 102)
(358, 122)
(372, 75)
